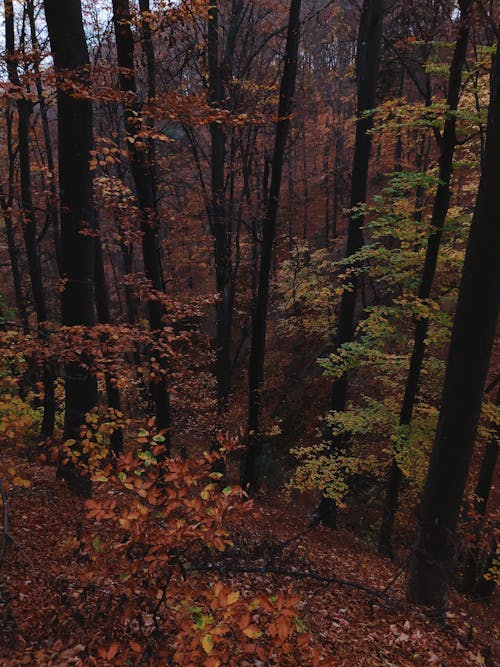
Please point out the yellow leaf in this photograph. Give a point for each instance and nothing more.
(207, 644)
(252, 631)
(232, 597)
(19, 481)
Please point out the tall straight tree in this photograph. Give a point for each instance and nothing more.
(24, 111)
(103, 317)
(467, 365)
(448, 142)
(145, 192)
(250, 472)
(53, 212)
(220, 223)
(367, 64)
(6, 202)
(75, 142)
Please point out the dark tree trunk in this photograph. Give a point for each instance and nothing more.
(52, 199)
(467, 365)
(326, 182)
(219, 223)
(145, 192)
(305, 184)
(6, 200)
(24, 110)
(439, 213)
(71, 59)
(487, 470)
(367, 60)
(14, 264)
(103, 316)
(478, 562)
(148, 47)
(250, 473)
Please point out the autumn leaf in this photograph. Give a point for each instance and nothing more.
(19, 481)
(233, 597)
(252, 631)
(207, 643)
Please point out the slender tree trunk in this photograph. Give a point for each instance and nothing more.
(250, 473)
(487, 470)
(367, 60)
(336, 183)
(69, 49)
(469, 353)
(147, 45)
(219, 223)
(477, 561)
(24, 110)
(326, 182)
(103, 316)
(52, 198)
(305, 183)
(291, 196)
(145, 192)
(439, 213)
(6, 201)
(14, 264)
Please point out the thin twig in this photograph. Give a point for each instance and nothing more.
(295, 574)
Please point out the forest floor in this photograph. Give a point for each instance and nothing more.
(50, 616)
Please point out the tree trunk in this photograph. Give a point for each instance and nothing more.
(439, 213)
(477, 561)
(219, 223)
(467, 365)
(69, 49)
(6, 200)
(103, 316)
(367, 60)
(250, 473)
(24, 110)
(145, 193)
(52, 199)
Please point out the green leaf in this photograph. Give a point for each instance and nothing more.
(96, 545)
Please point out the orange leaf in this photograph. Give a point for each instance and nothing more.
(113, 650)
(244, 621)
(282, 628)
(252, 631)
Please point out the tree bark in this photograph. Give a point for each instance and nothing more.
(145, 192)
(219, 223)
(439, 213)
(24, 110)
(471, 343)
(52, 198)
(6, 201)
(71, 60)
(250, 473)
(367, 61)
(103, 316)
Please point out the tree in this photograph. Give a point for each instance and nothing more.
(250, 474)
(145, 192)
(75, 143)
(24, 110)
(466, 369)
(447, 145)
(367, 62)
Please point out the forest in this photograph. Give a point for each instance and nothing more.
(249, 297)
